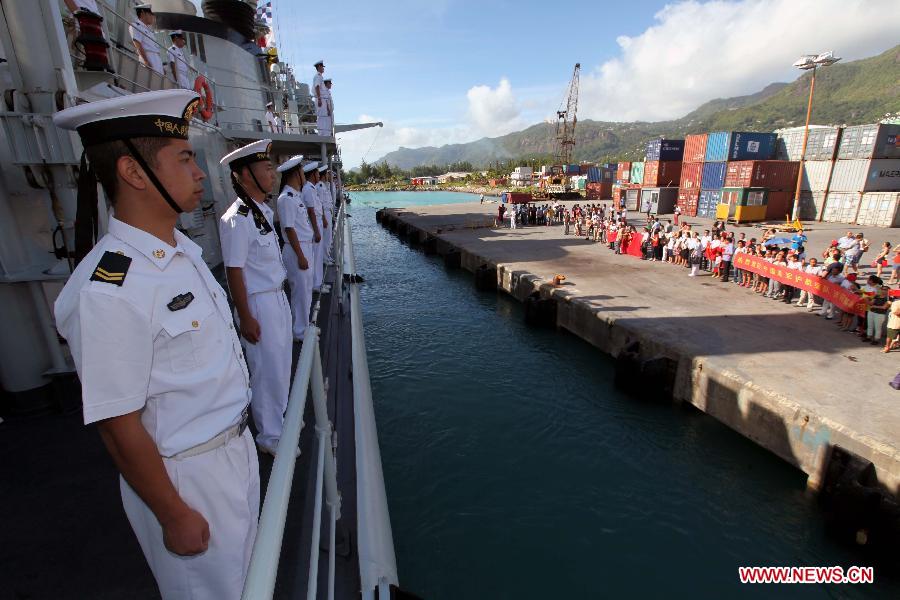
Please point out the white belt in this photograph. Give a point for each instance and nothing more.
(216, 442)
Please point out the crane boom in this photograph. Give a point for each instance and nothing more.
(566, 119)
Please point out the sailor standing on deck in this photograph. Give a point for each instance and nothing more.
(321, 94)
(256, 275)
(297, 230)
(309, 195)
(328, 235)
(177, 61)
(161, 368)
(145, 43)
(322, 192)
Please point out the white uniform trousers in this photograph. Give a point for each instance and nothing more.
(301, 285)
(324, 124)
(154, 61)
(269, 361)
(319, 250)
(223, 486)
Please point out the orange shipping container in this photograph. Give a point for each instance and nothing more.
(691, 173)
(773, 174)
(623, 172)
(779, 205)
(598, 190)
(695, 147)
(687, 201)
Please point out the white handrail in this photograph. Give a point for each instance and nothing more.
(377, 561)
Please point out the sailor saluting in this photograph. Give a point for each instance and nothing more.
(161, 367)
(256, 276)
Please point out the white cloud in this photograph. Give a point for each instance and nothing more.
(697, 51)
(494, 111)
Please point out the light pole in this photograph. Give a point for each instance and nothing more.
(805, 63)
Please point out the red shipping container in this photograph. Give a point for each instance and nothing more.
(779, 204)
(687, 201)
(695, 147)
(662, 173)
(623, 173)
(598, 190)
(773, 174)
(690, 175)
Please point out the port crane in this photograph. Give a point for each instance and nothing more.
(566, 119)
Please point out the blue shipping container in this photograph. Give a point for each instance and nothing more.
(593, 175)
(665, 149)
(707, 203)
(713, 177)
(739, 145)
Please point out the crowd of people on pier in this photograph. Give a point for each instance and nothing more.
(713, 251)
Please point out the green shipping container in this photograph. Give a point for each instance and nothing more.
(637, 172)
(582, 183)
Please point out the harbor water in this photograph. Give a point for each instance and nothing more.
(514, 469)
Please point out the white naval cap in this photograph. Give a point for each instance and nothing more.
(319, 62)
(310, 166)
(323, 168)
(140, 7)
(176, 32)
(245, 155)
(290, 163)
(326, 80)
(162, 113)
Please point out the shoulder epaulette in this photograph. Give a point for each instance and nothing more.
(243, 210)
(290, 193)
(112, 268)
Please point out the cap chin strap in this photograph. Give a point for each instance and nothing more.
(153, 179)
(251, 203)
(86, 217)
(256, 181)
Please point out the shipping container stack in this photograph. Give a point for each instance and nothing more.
(600, 181)
(662, 169)
(864, 185)
(623, 183)
(817, 166)
(691, 174)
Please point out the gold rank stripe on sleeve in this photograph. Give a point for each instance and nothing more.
(112, 268)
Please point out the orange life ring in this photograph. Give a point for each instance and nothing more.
(206, 97)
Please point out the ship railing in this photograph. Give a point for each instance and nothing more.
(377, 562)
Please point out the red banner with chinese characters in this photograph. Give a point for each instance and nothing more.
(842, 298)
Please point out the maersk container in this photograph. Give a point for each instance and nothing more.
(816, 175)
(707, 203)
(879, 140)
(841, 207)
(879, 175)
(713, 175)
(637, 172)
(880, 209)
(695, 147)
(659, 200)
(739, 145)
(690, 175)
(821, 145)
(660, 149)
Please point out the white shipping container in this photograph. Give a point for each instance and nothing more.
(881, 175)
(841, 207)
(881, 209)
(811, 205)
(816, 174)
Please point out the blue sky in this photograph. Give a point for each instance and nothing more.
(451, 71)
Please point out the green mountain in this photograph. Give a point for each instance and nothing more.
(861, 91)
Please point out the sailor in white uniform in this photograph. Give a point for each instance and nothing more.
(328, 235)
(324, 222)
(297, 231)
(329, 99)
(177, 61)
(320, 94)
(161, 367)
(256, 275)
(311, 199)
(144, 40)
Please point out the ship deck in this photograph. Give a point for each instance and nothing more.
(65, 535)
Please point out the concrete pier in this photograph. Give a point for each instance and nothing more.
(785, 378)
